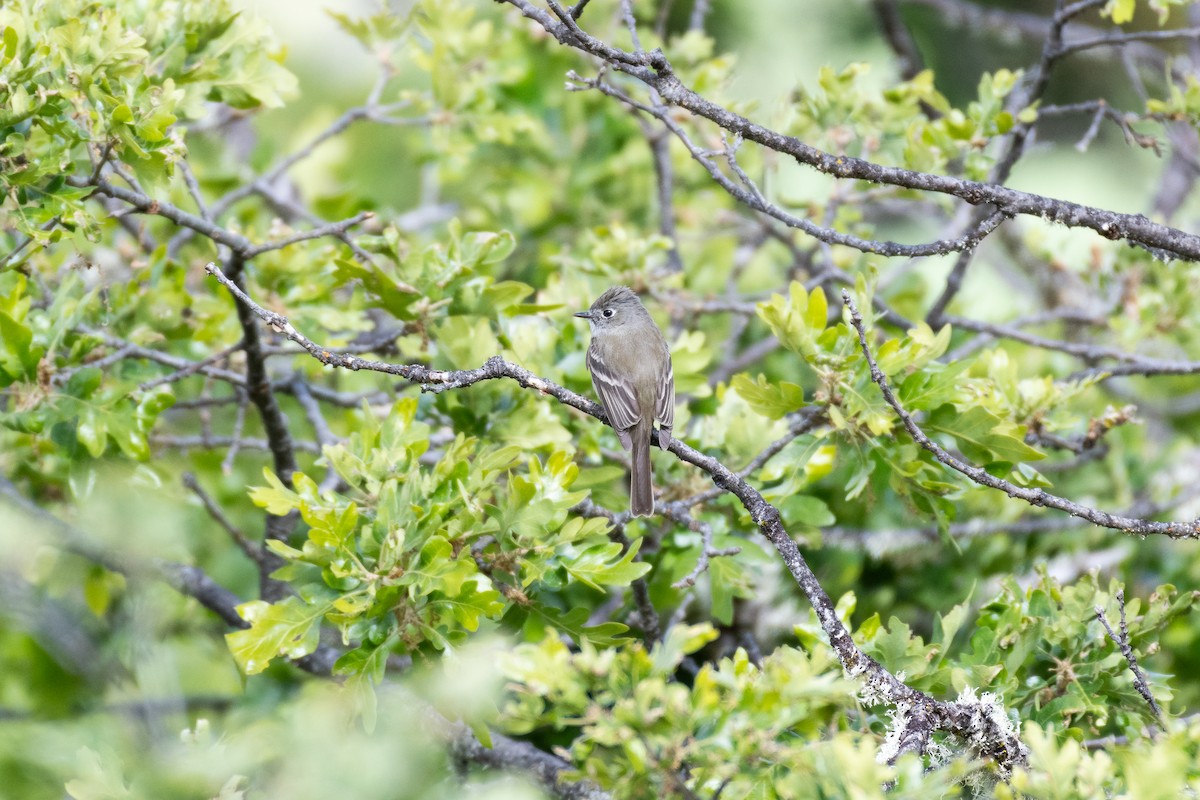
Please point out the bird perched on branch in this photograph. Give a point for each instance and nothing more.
(630, 364)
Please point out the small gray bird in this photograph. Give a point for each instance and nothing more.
(631, 372)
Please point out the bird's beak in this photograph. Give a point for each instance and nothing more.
(584, 314)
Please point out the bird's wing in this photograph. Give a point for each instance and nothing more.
(664, 408)
(616, 393)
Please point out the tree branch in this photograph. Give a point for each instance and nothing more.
(1037, 497)
(1122, 643)
(749, 195)
(251, 549)
(653, 69)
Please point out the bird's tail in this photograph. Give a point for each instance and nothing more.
(641, 488)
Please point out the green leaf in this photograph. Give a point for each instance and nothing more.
(806, 510)
(364, 667)
(981, 435)
(92, 433)
(437, 569)
(487, 247)
(11, 43)
(288, 628)
(389, 292)
(505, 294)
(283, 549)
(574, 624)
(945, 626)
(728, 579)
(932, 386)
(817, 313)
(680, 641)
(83, 383)
(793, 321)
(18, 357)
(596, 568)
(276, 498)
(466, 607)
(99, 778)
(773, 400)
(1121, 11)
(466, 341)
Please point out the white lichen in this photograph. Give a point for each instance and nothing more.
(894, 738)
(991, 729)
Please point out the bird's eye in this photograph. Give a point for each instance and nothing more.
(608, 312)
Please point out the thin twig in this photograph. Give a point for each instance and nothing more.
(1122, 643)
(214, 442)
(1037, 497)
(754, 198)
(335, 229)
(252, 550)
(193, 187)
(682, 515)
(239, 424)
(190, 369)
(316, 419)
(1124, 38)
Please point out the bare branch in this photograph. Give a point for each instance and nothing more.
(335, 229)
(680, 513)
(880, 542)
(239, 424)
(508, 754)
(753, 198)
(1124, 38)
(210, 442)
(899, 38)
(147, 205)
(185, 371)
(577, 9)
(1122, 643)
(655, 71)
(193, 187)
(251, 549)
(258, 385)
(237, 243)
(316, 419)
(1012, 330)
(1037, 497)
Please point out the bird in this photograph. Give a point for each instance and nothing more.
(630, 364)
